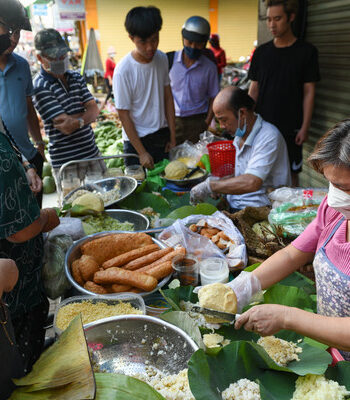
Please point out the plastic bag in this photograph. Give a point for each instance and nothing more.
(306, 195)
(205, 138)
(187, 151)
(68, 226)
(202, 247)
(54, 278)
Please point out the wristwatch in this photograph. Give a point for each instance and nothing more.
(29, 166)
(81, 122)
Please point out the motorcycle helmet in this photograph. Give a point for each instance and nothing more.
(14, 15)
(196, 29)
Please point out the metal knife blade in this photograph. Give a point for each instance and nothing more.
(218, 314)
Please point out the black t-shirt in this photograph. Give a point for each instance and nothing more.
(281, 74)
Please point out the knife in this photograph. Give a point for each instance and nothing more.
(218, 314)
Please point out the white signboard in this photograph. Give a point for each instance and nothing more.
(71, 9)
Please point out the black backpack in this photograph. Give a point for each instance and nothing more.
(170, 55)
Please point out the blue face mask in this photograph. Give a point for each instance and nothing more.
(241, 132)
(191, 53)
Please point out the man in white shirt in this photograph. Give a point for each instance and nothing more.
(261, 154)
(142, 91)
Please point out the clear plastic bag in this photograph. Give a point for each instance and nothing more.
(291, 195)
(53, 275)
(186, 152)
(68, 226)
(202, 247)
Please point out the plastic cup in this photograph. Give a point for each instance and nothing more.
(213, 270)
(186, 269)
(135, 171)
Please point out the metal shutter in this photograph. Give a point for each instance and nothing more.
(328, 28)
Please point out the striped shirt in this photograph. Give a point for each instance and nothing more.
(52, 98)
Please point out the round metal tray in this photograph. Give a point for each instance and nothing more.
(127, 186)
(131, 343)
(140, 222)
(187, 182)
(74, 253)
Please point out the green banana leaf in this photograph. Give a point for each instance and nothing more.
(122, 387)
(340, 373)
(186, 211)
(313, 360)
(142, 200)
(210, 375)
(174, 296)
(182, 320)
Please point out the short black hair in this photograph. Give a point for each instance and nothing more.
(240, 98)
(289, 6)
(143, 21)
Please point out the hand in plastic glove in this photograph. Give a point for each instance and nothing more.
(265, 319)
(245, 286)
(34, 180)
(200, 192)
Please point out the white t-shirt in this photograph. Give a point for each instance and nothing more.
(139, 88)
(264, 154)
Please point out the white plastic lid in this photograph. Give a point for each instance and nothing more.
(213, 269)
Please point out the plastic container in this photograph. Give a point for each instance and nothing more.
(156, 304)
(213, 270)
(135, 171)
(186, 269)
(134, 299)
(336, 356)
(222, 156)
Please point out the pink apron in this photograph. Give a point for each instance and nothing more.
(333, 286)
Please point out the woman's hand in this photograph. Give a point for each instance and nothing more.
(34, 180)
(265, 319)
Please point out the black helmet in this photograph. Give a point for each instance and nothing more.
(196, 29)
(14, 15)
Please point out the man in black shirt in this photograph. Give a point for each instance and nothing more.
(283, 74)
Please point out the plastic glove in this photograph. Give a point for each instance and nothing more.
(245, 286)
(200, 192)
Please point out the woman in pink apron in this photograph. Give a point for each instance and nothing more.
(326, 243)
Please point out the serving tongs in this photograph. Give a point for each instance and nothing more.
(192, 172)
(217, 314)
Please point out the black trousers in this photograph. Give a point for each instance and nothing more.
(154, 144)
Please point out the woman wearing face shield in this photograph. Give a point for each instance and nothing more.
(326, 243)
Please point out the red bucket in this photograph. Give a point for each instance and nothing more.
(222, 156)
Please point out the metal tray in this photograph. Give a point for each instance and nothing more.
(74, 253)
(187, 182)
(129, 344)
(127, 186)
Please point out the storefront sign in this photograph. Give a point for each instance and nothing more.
(40, 9)
(71, 9)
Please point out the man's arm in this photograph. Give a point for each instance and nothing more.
(146, 159)
(246, 183)
(34, 127)
(68, 124)
(308, 106)
(254, 90)
(170, 116)
(210, 114)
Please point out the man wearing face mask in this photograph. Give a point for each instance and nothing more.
(16, 88)
(261, 154)
(194, 82)
(66, 107)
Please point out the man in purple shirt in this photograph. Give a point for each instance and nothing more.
(194, 82)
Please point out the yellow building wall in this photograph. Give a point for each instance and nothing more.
(238, 27)
(112, 13)
(237, 22)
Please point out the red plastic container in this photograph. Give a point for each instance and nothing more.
(222, 156)
(335, 355)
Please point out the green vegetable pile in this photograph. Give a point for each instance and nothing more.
(109, 140)
(103, 222)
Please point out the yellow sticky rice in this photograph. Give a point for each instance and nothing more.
(281, 351)
(312, 387)
(91, 312)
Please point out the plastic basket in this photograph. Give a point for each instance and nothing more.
(222, 158)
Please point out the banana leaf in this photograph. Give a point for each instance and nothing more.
(313, 360)
(137, 201)
(122, 387)
(63, 371)
(186, 211)
(340, 373)
(210, 375)
(183, 321)
(174, 296)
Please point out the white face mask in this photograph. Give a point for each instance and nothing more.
(339, 200)
(59, 67)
